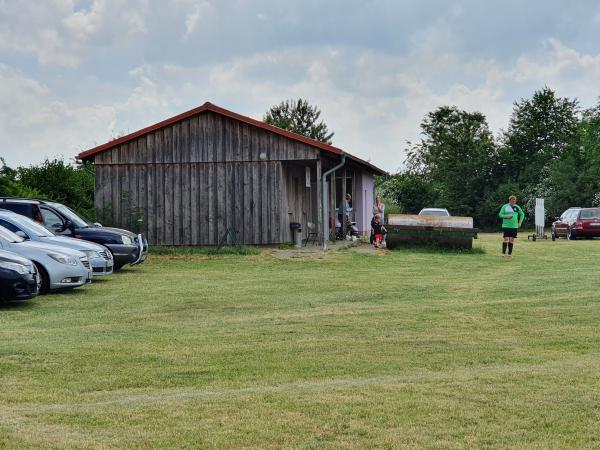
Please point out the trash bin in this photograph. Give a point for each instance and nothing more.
(296, 228)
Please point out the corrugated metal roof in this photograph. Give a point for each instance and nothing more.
(87, 154)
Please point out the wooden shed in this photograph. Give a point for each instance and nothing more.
(190, 178)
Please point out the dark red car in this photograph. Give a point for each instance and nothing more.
(578, 223)
(560, 226)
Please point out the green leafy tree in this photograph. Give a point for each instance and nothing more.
(575, 176)
(540, 131)
(458, 156)
(299, 117)
(11, 187)
(408, 191)
(61, 182)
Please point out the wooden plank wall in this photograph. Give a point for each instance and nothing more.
(300, 203)
(194, 179)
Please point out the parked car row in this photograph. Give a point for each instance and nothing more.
(46, 246)
(577, 223)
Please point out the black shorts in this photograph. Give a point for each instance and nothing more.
(509, 232)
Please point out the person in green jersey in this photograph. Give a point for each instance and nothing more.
(512, 217)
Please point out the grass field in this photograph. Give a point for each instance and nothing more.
(404, 349)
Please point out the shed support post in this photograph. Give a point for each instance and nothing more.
(325, 202)
(319, 201)
(342, 207)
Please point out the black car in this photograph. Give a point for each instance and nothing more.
(19, 278)
(125, 246)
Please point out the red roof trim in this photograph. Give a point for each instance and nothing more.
(218, 110)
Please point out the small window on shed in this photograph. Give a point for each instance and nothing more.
(307, 177)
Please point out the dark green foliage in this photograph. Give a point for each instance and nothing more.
(299, 117)
(550, 150)
(11, 187)
(52, 180)
(574, 179)
(457, 157)
(540, 131)
(410, 192)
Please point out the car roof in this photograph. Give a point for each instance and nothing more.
(53, 204)
(31, 201)
(434, 209)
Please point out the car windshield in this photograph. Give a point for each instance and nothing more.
(592, 213)
(571, 212)
(31, 227)
(75, 218)
(9, 236)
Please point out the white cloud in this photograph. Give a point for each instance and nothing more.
(193, 19)
(148, 60)
(34, 124)
(57, 34)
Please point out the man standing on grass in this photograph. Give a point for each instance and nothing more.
(512, 217)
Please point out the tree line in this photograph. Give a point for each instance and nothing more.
(551, 149)
(55, 180)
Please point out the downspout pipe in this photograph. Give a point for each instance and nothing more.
(326, 201)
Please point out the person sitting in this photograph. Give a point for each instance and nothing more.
(378, 231)
(37, 216)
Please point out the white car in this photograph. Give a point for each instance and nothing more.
(59, 267)
(434, 212)
(100, 258)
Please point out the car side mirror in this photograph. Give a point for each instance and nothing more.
(97, 224)
(557, 218)
(22, 234)
(67, 225)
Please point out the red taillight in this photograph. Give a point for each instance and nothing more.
(578, 224)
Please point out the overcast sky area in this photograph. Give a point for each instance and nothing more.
(76, 73)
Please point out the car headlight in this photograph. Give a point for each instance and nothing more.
(126, 240)
(92, 254)
(23, 270)
(63, 259)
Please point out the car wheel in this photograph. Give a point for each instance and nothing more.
(45, 285)
(570, 235)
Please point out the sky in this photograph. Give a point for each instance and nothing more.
(77, 73)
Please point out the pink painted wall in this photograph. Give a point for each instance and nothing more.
(363, 201)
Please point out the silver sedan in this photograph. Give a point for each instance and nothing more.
(59, 268)
(100, 258)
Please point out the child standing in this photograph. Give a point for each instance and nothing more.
(378, 230)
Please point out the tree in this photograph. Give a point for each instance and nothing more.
(575, 176)
(458, 157)
(540, 131)
(11, 187)
(299, 117)
(410, 192)
(61, 182)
